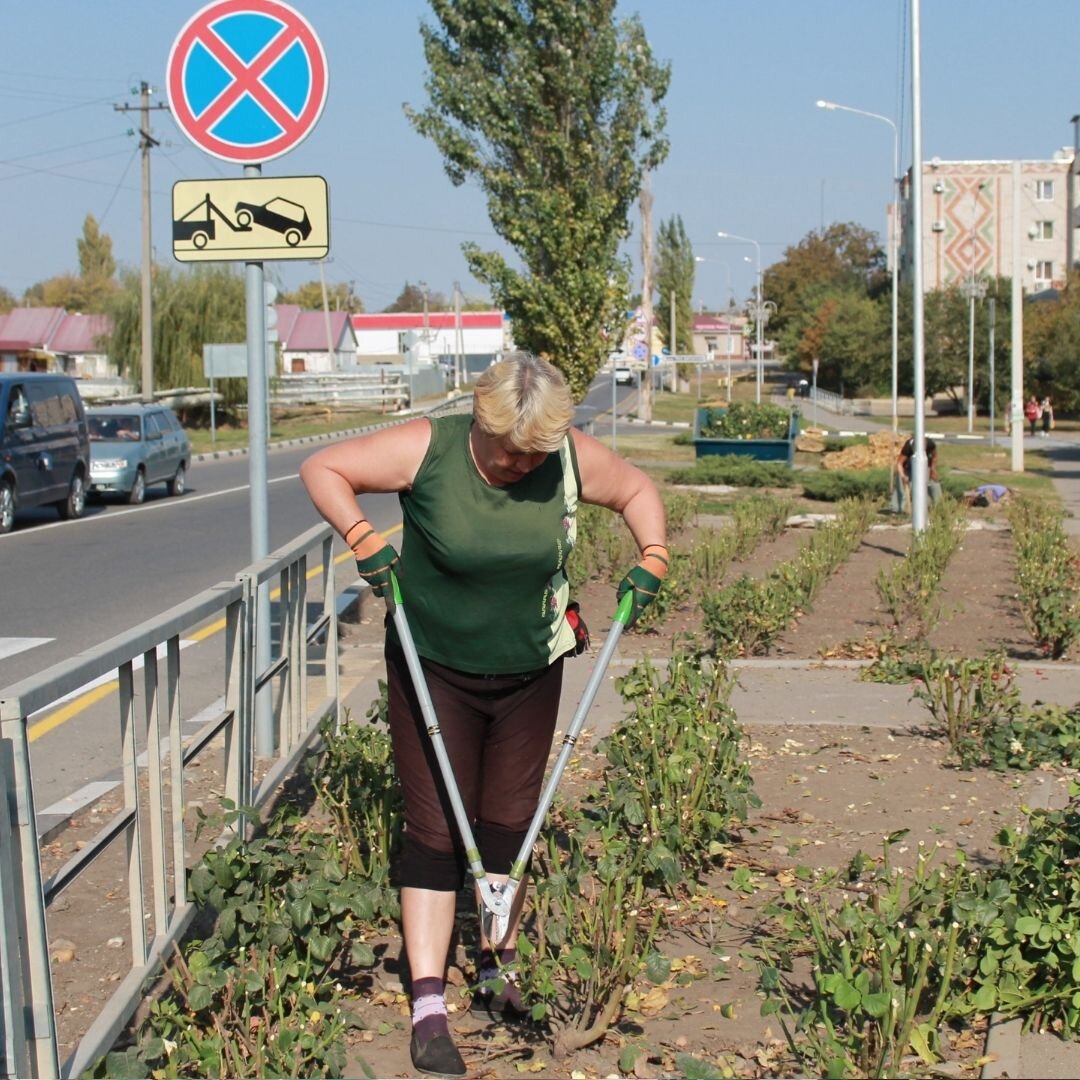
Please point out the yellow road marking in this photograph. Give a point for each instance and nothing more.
(91, 697)
(72, 708)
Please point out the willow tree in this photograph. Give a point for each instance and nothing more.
(191, 308)
(554, 109)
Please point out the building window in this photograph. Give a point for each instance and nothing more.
(1044, 271)
(1044, 230)
(1044, 190)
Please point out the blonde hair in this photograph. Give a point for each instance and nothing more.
(526, 400)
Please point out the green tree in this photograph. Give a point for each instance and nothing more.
(555, 110)
(843, 256)
(846, 336)
(411, 298)
(7, 301)
(309, 297)
(97, 267)
(191, 308)
(1052, 346)
(64, 290)
(675, 274)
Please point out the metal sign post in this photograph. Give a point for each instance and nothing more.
(247, 82)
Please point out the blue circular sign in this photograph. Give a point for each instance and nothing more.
(247, 79)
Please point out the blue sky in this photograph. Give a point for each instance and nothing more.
(750, 153)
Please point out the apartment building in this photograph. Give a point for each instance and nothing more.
(967, 210)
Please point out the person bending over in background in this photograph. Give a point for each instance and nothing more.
(489, 505)
(902, 492)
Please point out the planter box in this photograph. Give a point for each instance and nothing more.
(758, 449)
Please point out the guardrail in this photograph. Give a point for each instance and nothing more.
(380, 387)
(151, 823)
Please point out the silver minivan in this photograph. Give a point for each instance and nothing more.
(44, 445)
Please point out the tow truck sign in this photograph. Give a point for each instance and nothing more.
(251, 219)
(247, 79)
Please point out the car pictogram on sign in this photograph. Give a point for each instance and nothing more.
(279, 214)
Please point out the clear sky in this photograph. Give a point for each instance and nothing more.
(750, 152)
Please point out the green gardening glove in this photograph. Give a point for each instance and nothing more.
(376, 569)
(644, 586)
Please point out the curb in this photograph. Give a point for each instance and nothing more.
(1003, 1034)
(243, 451)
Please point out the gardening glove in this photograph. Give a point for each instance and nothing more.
(577, 624)
(376, 568)
(644, 580)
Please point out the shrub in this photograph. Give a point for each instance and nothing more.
(735, 470)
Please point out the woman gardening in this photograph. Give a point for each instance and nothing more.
(489, 505)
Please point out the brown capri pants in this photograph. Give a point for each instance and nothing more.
(497, 730)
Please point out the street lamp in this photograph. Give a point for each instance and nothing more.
(894, 253)
(759, 306)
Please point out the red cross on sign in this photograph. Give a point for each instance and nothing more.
(247, 79)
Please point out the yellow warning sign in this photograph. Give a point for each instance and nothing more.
(253, 219)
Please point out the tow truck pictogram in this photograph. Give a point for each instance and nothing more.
(201, 230)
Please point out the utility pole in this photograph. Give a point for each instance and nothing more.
(146, 143)
(645, 389)
(674, 346)
(326, 316)
(459, 341)
(1070, 223)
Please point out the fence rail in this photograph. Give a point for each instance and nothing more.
(151, 823)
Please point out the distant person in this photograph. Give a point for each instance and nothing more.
(1033, 413)
(1047, 417)
(902, 492)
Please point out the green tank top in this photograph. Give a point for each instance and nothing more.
(483, 569)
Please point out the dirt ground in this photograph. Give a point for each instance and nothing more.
(827, 792)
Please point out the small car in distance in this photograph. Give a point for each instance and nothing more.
(133, 446)
(624, 375)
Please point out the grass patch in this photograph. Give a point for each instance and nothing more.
(283, 428)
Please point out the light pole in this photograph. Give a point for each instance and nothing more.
(975, 290)
(759, 306)
(894, 246)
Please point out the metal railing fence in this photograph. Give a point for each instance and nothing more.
(150, 824)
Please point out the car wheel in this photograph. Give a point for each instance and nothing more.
(243, 219)
(200, 240)
(75, 504)
(293, 237)
(178, 484)
(137, 494)
(7, 507)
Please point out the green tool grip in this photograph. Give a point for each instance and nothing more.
(626, 606)
(395, 588)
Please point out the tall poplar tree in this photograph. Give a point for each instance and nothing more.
(675, 274)
(554, 109)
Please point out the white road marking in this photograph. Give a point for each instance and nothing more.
(146, 508)
(9, 646)
(136, 664)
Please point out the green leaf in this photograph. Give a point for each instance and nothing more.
(657, 969)
(1028, 925)
(628, 1058)
(877, 1005)
(920, 1043)
(845, 996)
(985, 998)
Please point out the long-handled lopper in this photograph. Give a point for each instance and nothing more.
(497, 898)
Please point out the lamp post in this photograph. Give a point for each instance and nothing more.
(759, 306)
(975, 289)
(894, 246)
